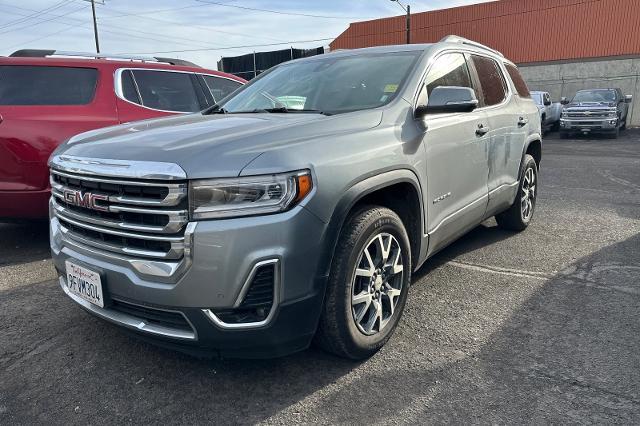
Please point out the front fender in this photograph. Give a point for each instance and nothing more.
(351, 197)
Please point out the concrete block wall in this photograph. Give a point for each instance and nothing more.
(565, 79)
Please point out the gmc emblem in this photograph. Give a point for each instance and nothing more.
(85, 199)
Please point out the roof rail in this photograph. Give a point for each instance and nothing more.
(42, 53)
(462, 40)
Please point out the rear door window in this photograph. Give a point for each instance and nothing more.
(492, 82)
(220, 87)
(35, 85)
(165, 90)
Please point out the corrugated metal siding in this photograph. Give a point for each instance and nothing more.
(524, 30)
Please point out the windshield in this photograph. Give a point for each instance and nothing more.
(595, 96)
(537, 97)
(330, 85)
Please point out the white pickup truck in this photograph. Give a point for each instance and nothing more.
(549, 111)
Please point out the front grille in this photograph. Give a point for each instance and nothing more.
(168, 319)
(139, 218)
(588, 114)
(258, 301)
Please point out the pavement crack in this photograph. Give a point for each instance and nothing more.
(502, 271)
(561, 379)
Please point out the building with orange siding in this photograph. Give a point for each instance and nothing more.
(561, 46)
(523, 30)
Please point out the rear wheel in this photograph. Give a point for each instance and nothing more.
(368, 284)
(519, 215)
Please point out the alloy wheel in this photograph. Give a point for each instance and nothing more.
(528, 200)
(377, 283)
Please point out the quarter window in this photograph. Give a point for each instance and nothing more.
(518, 81)
(220, 87)
(494, 89)
(129, 90)
(166, 90)
(33, 85)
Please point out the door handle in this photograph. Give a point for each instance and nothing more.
(522, 122)
(482, 130)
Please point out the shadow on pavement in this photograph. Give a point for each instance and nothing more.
(568, 354)
(23, 242)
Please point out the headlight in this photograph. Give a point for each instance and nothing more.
(613, 114)
(245, 196)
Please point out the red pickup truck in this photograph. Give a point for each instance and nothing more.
(47, 96)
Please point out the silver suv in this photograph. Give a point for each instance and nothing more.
(297, 208)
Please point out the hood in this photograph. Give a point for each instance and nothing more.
(213, 145)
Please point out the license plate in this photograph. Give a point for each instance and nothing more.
(84, 283)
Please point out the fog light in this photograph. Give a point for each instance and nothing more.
(613, 121)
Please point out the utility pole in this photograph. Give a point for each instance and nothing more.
(408, 25)
(95, 25)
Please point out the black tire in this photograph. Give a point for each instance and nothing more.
(338, 330)
(556, 126)
(517, 217)
(615, 134)
(564, 135)
(624, 125)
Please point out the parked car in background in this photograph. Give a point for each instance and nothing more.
(595, 111)
(47, 96)
(298, 207)
(549, 111)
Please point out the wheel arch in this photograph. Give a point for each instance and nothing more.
(533, 147)
(388, 189)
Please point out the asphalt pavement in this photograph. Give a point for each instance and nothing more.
(537, 327)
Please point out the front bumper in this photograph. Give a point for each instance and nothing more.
(223, 255)
(588, 125)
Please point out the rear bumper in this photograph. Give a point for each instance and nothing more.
(24, 204)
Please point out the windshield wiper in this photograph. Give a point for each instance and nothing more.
(215, 109)
(284, 109)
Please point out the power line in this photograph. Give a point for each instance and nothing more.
(484, 18)
(150, 12)
(229, 47)
(36, 13)
(119, 31)
(168, 21)
(45, 20)
(279, 12)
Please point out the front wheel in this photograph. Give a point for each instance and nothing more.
(519, 215)
(368, 284)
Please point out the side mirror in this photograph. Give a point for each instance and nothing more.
(547, 102)
(628, 98)
(564, 101)
(449, 99)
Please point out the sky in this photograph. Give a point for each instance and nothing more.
(201, 31)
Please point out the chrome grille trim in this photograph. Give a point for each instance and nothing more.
(173, 254)
(141, 221)
(117, 168)
(176, 191)
(176, 218)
